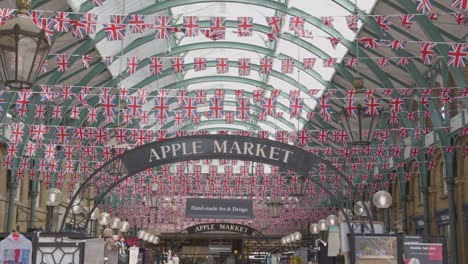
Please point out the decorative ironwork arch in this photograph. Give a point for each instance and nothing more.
(200, 147)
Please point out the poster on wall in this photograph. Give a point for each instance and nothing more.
(376, 250)
(423, 253)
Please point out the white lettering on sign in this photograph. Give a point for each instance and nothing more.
(234, 147)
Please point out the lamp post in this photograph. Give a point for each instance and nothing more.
(383, 200)
(53, 199)
(23, 49)
(299, 186)
(359, 117)
(274, 206)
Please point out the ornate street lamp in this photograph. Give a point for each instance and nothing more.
(299, 186)
(274, 206)
(23, 49)
(359, 117)
(53, 199)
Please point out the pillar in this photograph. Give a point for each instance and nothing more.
(453, 243)
(32, 212)
(12, 188)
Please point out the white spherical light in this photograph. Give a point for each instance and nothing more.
(322, 224)
(53, 197)
(124, 226)
(314, 229)
(297, 236)
(146, 236)
(359, 209)
(76, 208)
(156, 240)
(115, 223)
(104, 218)
(382, 199)
(141, 234)
(332, 220)
(94, 214)
(283, 241)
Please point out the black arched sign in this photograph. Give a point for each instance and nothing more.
(217, 146)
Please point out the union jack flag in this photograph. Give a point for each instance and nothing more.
(62, 62)
(403, 61)
(457, 55)
(132, 64)
(86, 59)
(383, 22)
(352, 22)
(460, 18)
(97, 2)
(295, 106)
(244, 67)
(48, 25)
(308, 63)
(434, 16)
(89, 21)
(62, 20)
(213, 34)
(274, 24)
(189, 107)
(328, 21)
(287, 66)
(269, 106)
(407, 21)
(178, 65)
(329, 62)
(199, 64)
(296, 23)
(163, 26)
(161, 105)
(245, 26)
(427, 51)
(334, 41)
(324, 106)
(266, 65)
(372, 106)
(5, 15)
(424, 5)
(243, 109)
(35, 16)
(191, 26)
(369, 42)
(216, 108)
(78, 28)
(351, 62)
(383, 61)
(217, 26)
(460, 4)
(222, 65)
(156, 66)
(114, 31)
(136, 23)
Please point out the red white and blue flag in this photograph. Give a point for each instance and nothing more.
(274, 24)
(62, 20)
(222, 65)
(89, 20)
(308, 63)
(244, 67)
(296, 23)
(216, 108)
(424, 6)
(407, 21)
(287, 66)
(457, 55)
(156, 66)
(266, 65)
(191, 26)
(352, 22)
(295, 106)
(269, 106)
(217, 27)
(136, 23)
(163, 27)
(189, 107)
(460, 4)
(134, 106)
(48, 25)
(243, 109)
(114, 31)
(199, 64)
(383, 22)
(62, 62)
(427, 51)
(178, 65)
(161, 106)
(5, 15)
(244, 26)
(132, 64)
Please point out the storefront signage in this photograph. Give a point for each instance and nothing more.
(219, 248)
(219, 208)
(423, 253)
(221, 227)
(219, 147)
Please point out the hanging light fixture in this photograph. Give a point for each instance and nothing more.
(314, 228)
(360, 116)
(382, 199)
(299, 186)
(274, 206)
(23, 49)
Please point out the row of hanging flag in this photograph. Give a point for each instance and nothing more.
(456, 56)
(118, 25)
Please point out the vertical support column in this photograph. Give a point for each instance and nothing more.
(387, 220)
(34, 194)
(12, 188)
(426, 209)
(449, 169)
